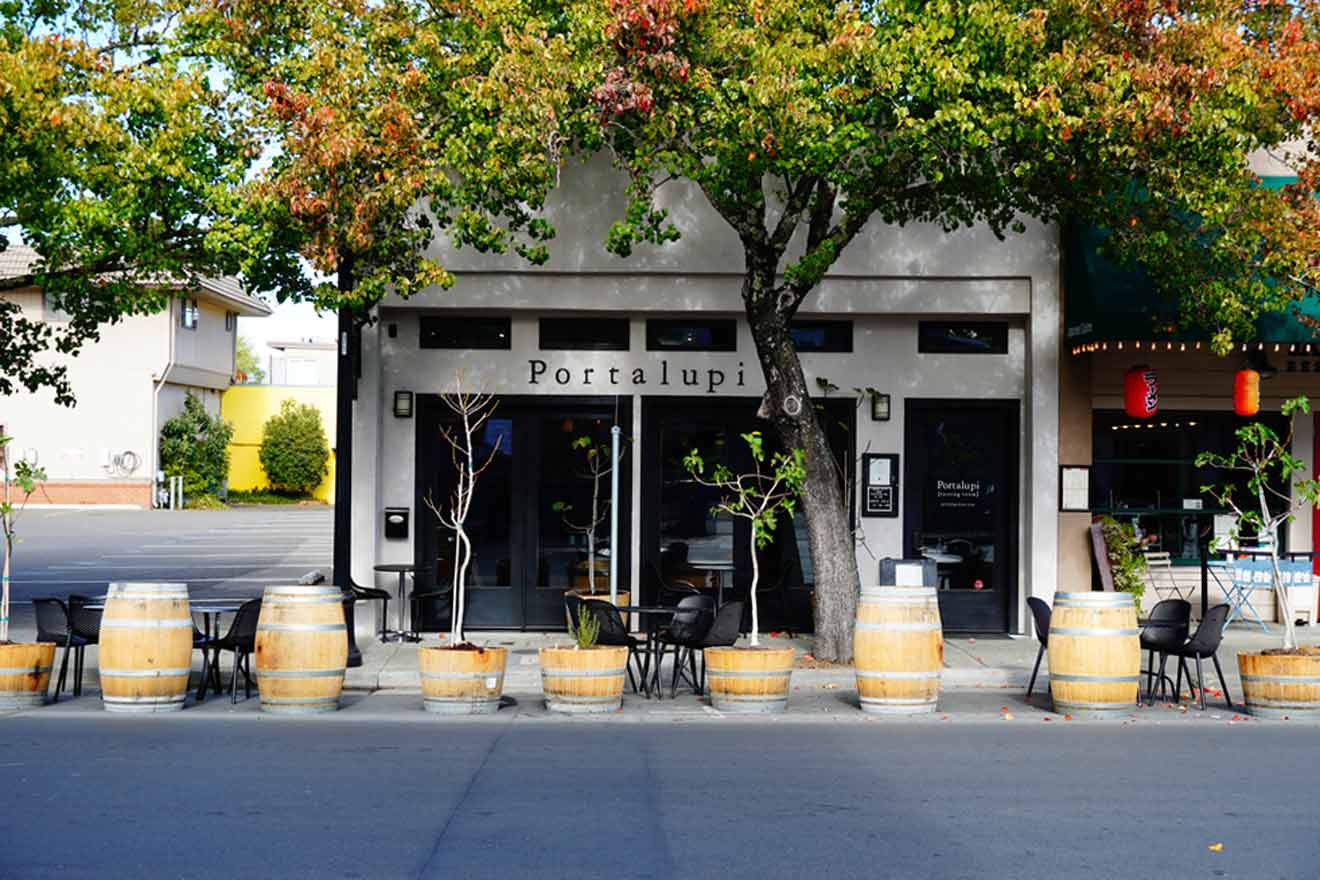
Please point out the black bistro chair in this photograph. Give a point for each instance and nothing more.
(1040, 616)
(54, 625)
(684, 634)
(86, 623)
(669, 590)
(1205, 643)
(373, 594)
(723, 633)
(1163, 631)
(613, 631)
(242, 641)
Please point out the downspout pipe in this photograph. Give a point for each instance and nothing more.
(161, 378)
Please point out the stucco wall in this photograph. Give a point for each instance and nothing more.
(247, 408)
(209, 347)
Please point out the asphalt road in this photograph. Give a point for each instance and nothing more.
(184, 797)
(232, 552)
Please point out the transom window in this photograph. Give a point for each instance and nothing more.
(454, 331)
(683, 334)
(822, 336)
(584, 334)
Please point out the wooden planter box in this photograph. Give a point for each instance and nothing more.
(898, 647)
(747, 680)
(1275, 685)
(583, 681)
(462, 682)
(25, 674)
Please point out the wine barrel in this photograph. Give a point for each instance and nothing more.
(748, 680)
(898, 648)
(302, 649)
(460, 681)
(1094, 654)
(583, 680)
(145, 649)
(1275, 685)
(25, 673)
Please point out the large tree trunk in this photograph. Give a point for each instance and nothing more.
(790, 410)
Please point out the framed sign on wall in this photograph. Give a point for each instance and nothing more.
(879, 485)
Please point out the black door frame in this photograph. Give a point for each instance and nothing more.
(523, 526)
(1011, 407)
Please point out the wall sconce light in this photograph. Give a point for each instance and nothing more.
(879, 407)
(403, 404)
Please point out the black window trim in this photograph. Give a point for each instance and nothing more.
(845, 347)
(999, 326)
(625, 324)
(720, 326)
(466, 345)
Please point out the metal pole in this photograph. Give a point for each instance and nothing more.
(614, 514)
(1205, 568)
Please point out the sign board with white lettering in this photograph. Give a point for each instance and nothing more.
(880, 485)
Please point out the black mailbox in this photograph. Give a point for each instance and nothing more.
(396, 522)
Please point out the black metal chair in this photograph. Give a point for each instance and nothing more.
(668, 590)
(1040, 616)
(684, 634)
(1164, 630)
(55, 625)
(723, 633)
(372, 594)
(613, 631)
(1205, 643)
(86, 623)
(242, 641)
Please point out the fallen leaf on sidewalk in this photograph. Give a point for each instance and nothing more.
(1047, 718)
(1067, 718)
(1008, 716)
(808, 657)
(971, 641)
(831, 686)
(1215, 847)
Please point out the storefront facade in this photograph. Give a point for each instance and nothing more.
(936, 356)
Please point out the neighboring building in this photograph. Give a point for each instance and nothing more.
(307, 363)
(247, 408)
(136, 377)
(960, 332)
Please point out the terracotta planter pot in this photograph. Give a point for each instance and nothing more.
(462, 682)
(898, 646)
(1275, 685)
(302, 650)
(583, 680)
(749, 680)
(25, 674)
(1095, 654)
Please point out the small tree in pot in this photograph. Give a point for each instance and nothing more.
(29, 664)
(755, 678)
(1284, 680)
(463, 678)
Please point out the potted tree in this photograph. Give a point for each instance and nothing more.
(595, 465)
(462, 678)
(24, 666)
(584, 677)
(755, 677)
(1285, 680)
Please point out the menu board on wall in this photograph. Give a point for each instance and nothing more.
(879, 485)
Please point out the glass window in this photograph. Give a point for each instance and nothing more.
(687, 335)
(822, 336)
(452, 331)
(51, 312)
(188, 314)
(962, 337)
(584, 334)
(231, 320)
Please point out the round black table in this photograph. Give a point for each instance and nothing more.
(404, 633)
(652, 617)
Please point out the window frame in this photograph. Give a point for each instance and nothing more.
(625, 324)
(503, 323)
(720, 327)
(189, 306)
(1000, 341)
(843, 346)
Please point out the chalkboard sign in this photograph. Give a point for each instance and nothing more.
(880, 485)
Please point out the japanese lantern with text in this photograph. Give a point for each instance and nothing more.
(1246, 393)
(1141, 393)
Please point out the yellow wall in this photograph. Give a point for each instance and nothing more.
(248, 407)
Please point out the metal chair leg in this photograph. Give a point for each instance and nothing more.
(64, 669)
(1200, 682)
(79, 664)
(692, 665)
(1177, 687)
(1222, 683)
(1035, 669)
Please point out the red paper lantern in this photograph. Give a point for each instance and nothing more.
(1141, 393)
(1246, 393)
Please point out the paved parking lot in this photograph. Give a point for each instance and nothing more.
(216, 552)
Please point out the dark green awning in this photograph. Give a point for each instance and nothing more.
(1108, 303)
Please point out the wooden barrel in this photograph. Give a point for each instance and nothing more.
(1275, 685)
(146, 645)
(749, 679)
(302, 650)
(25, 674)
(462, 682)
(583, 681)
(1094, 654)
(898, 647)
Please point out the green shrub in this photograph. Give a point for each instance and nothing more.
(294, 450)
(195, 446)
(1126, 562)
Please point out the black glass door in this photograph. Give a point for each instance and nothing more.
(960, 505)
(539, 516)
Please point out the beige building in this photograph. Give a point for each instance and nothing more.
(308, 363)
(128, 383)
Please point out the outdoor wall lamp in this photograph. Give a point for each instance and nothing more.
(879, 407)
(403, 401)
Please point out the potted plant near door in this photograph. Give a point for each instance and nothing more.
(596, 464)
(1285, 680)
(462, 678)
(755, 677)
(584, 677)
(24, 666)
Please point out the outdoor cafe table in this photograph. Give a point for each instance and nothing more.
(652, 617)
(718, 569)
(405, 632)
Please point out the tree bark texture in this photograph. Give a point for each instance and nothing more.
(790, 410)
